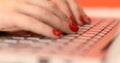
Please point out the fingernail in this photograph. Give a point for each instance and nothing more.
(89, 19)
(72, 19)
(82, 19)
(74, 27)
(57, 32)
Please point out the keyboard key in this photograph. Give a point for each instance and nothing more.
(89, 26)
(98, 37)
(94, 30)
(94, 40)
(33, 38)
(101, 34)
(79, 40)
(25, 42)
(62, 40)
(18, 38)
(72, 35)
(10, 41)
(89, 32)
(45, 40)
(88, 35)
(68, 37)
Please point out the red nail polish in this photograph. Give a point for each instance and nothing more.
(74, 27)
(57, 32)
(72, 19)
(82, 19)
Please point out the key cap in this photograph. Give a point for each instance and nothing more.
(33, 38)
(72, 35)
(68, 37)
(62, 40)
(10, 41)
(79, 40)
(45, 40)
(88, 35)
(18, 38)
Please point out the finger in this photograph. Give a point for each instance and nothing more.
(78, 12)
(48, 5)
(87, 18)
(63, 5)
(10, 29)
(33, 25)
(6, 23)
(48, 18)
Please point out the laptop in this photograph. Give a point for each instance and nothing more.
(89, 45)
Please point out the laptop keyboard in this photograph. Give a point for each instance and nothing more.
(79, 43)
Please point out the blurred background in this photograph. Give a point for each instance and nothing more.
(100, 3)
(101, 8)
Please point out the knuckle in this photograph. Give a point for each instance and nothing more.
(52, 5)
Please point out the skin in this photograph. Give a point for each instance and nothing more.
(39, 16)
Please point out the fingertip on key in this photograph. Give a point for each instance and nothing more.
(81, 19)
(57, 33)
(89, 20)
(74, 27)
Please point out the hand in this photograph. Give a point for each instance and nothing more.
(45, 17)
(73, 11)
